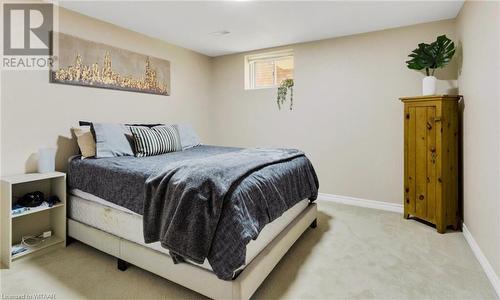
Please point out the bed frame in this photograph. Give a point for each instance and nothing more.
(189, 275)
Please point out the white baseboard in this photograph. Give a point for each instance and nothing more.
(394, 207)
(483, 261)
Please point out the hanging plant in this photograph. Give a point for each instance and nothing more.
(285, 85)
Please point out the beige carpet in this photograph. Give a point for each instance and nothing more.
(354, 253)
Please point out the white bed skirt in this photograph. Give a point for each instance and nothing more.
(121, 222)
(194, 277)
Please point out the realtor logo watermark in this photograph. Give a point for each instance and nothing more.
(27, 29)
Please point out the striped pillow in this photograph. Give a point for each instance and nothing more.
(155, 140)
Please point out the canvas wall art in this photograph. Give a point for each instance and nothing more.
(86, 63)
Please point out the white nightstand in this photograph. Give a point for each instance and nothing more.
(35, 220)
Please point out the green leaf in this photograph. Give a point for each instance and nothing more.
(420, 57)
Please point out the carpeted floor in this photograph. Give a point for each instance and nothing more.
(354, 253)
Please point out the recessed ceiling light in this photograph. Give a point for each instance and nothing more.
(220, 32)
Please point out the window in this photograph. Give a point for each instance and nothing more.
(267, 70)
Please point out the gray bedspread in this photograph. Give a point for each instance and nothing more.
(205, 202)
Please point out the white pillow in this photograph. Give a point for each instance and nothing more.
(112, 139)
(189, 138)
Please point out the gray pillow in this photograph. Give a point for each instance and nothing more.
(189, 138)
(112, 140)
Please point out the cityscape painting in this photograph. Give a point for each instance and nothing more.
(86, 63)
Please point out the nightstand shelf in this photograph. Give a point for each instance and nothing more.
(35, 210)
(36, 220)
(51, 241)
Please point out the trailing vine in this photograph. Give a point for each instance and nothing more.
(285, 85)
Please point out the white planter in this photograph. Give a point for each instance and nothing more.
(429, 85)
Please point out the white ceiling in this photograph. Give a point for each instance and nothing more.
(258, 24)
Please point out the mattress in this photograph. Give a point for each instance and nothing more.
(121, 180)
(124, 223)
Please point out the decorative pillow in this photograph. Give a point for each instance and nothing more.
(155, 140)
(111, 140)
(85, 141)
(189, 138)
(84, 123)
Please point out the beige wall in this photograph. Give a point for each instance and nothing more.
(478, 31)
(347, 116)
(37, 113)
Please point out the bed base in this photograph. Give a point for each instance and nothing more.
(193, 277)
(314, 223)
(121, 264)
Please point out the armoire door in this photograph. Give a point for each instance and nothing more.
(420, 162)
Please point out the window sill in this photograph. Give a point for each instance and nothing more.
(262, 88)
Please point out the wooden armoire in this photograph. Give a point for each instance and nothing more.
(431, 134)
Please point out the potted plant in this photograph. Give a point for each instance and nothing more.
(285, 85)
(431, 57)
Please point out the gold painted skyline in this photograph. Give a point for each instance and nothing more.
(105, 76)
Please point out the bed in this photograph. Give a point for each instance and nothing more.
(117, 206)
